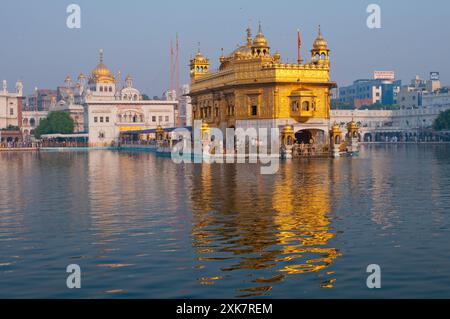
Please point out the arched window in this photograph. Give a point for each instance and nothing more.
(305, 106)
(110, 89)
(32, 122)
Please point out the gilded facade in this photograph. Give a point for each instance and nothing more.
(254, 88)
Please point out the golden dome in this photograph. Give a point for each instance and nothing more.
(199, 57)
(288, 129)
(242, 51)
(336, 128)
(277, 57)
(260, 40)
(320, 43)
(101, 73)
(352, 125)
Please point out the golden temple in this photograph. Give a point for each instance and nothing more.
(254, 88)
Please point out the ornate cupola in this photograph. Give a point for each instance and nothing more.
(320, 54)
(129, 81)
(101, 73)
(199, 65)
(260, 47)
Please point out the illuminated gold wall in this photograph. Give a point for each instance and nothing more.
(253, 84)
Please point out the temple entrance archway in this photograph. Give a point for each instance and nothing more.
(311, 136)
(304, 137)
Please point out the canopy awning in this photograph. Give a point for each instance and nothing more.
(152, 131)
(65, 136)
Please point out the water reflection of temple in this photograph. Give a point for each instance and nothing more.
(271, 227)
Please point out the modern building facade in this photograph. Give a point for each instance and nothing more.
(378, 90)
(411, 96)
(253, 88)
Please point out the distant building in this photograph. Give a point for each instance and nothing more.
(437, 99)
(42, 100)
(391, 125)
(186, 106)
(30, 121)
(382, 89)
(11, 106)
(412, 96)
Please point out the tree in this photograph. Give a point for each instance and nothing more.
(55, 123)
(442, 123)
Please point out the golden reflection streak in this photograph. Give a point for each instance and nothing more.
(277, 224)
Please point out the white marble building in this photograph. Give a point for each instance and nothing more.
(11, 105)
(374, 123)
(110, 108)
(30, 121)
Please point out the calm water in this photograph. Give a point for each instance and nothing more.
(140, 226)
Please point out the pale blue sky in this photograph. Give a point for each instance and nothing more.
(135, 34)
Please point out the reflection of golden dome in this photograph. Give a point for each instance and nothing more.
(101, 73)
(320, 42)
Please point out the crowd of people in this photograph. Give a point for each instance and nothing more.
(15, 144)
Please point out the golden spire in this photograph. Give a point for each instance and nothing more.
(320, 42)
(101, 55)
(249, 36)
(260, 39)
(222, 57)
